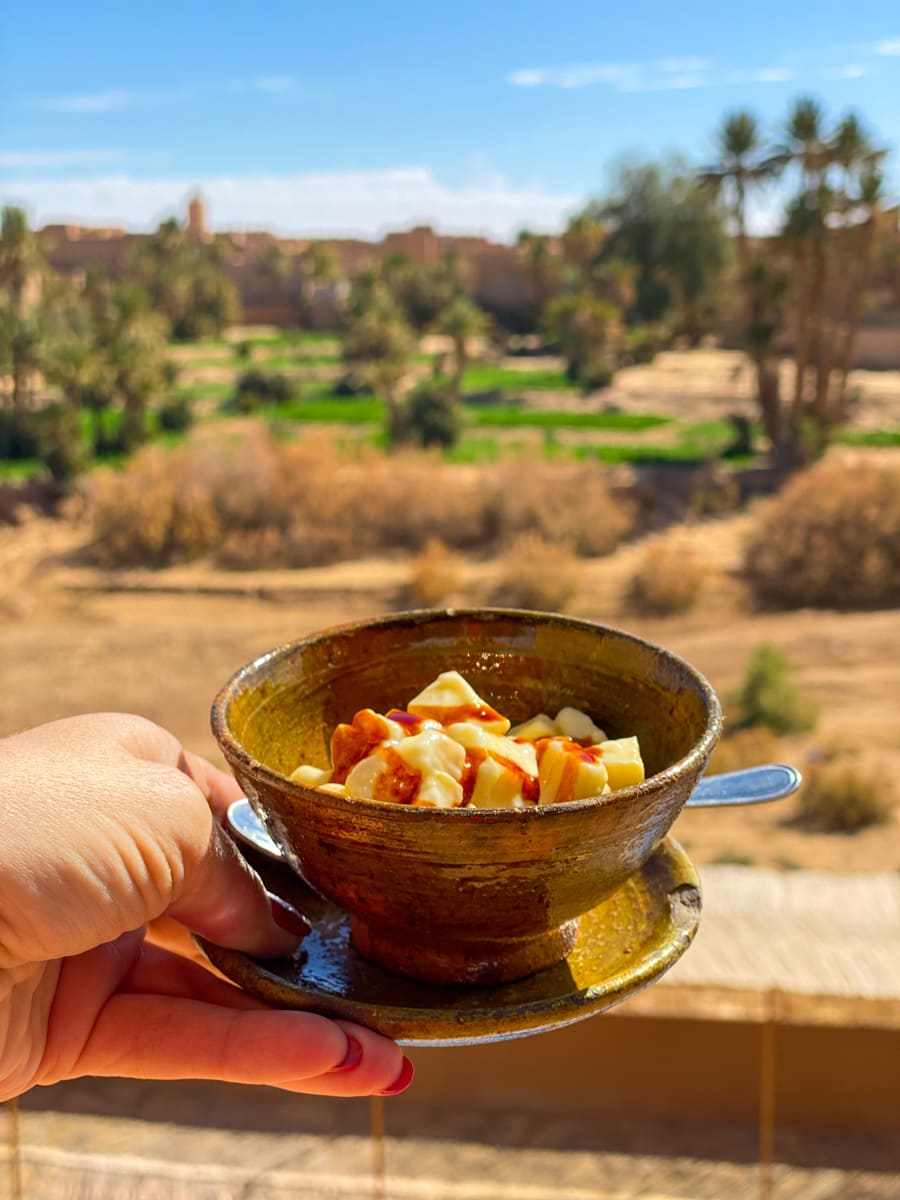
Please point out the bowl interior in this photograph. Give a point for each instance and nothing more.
(282, 709)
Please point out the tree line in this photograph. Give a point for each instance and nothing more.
(667, 253)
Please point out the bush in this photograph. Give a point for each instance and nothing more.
(176, 415)
(768, 697)
(669, 580)
(846, 795)
(18, 435)
(438, 575)
(431, 415)
(535, 573)
(60, 446)
(250, 501)
(257, 388)
(152, 513)
(568, 503)
(596, 374)
(830, 539)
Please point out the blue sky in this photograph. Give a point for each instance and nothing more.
(342, 117)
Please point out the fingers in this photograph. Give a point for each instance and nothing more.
(219, 788)
(224, 900)
(163, 1037)
(165, 973)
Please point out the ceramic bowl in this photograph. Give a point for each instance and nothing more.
(456, 896)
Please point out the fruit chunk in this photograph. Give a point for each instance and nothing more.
(540, 726)
(451, 699)
(573, 723)
(623, 762)
(496, 786)
(568, 771)
(312, 777)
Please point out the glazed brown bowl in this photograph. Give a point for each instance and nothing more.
(466, 895)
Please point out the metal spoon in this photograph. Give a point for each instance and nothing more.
(752, 785)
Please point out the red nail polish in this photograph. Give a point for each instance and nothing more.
(404, 1079)
(352, 1058)
(287, 917)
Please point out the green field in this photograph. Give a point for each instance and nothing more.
(495, 410)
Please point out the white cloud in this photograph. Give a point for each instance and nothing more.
(18, 159)
(849, 71)
(331, 203)
(94, 102)
(666, 74)
(771, 75)
(890, 47)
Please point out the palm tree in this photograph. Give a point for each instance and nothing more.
(541, 262)
(379, 345)
(462, 321)
(20, 258)
(742, 165)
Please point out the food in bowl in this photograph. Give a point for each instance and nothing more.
(450, 749)
(466, 895)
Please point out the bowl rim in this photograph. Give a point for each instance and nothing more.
(236, 754)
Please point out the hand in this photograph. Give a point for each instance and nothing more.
(109, 824)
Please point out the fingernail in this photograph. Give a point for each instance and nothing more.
(287, 917)
(352, 1058)
(404, 1079)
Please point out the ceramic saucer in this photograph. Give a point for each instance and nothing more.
(623, 944)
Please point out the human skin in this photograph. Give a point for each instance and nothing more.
(109, 825)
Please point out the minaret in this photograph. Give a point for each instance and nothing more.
(196, 222)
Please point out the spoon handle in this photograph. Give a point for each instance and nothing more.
(752, 785)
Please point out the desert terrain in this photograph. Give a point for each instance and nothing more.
(75, 639)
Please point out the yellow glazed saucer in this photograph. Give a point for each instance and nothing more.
(622, 945)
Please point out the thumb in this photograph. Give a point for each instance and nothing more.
(225, 900)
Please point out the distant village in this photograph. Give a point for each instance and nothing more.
(495, 274)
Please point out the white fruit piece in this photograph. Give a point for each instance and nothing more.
(310, 776)
(453, 693)
(476, 737)
(540, 726)
(573, 723)
(496, 786)
(362, 779)
(439, 790)
(623, 762)
(432, 750)
(335, 789)
(569, 772)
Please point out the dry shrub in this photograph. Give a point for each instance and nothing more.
(669, 580)
(745, 748)
(562, 502)
(847, 794)
(150, 514)
(538, 574)
(438, 575)
(830, 539)
(253, 502)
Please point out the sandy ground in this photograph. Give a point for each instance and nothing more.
(160, 643)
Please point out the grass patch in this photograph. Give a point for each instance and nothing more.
(518, 418)
(486, 376)
(336, 410)
(876, 438)
(206, 391)
(282, 361)
(18, 470)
